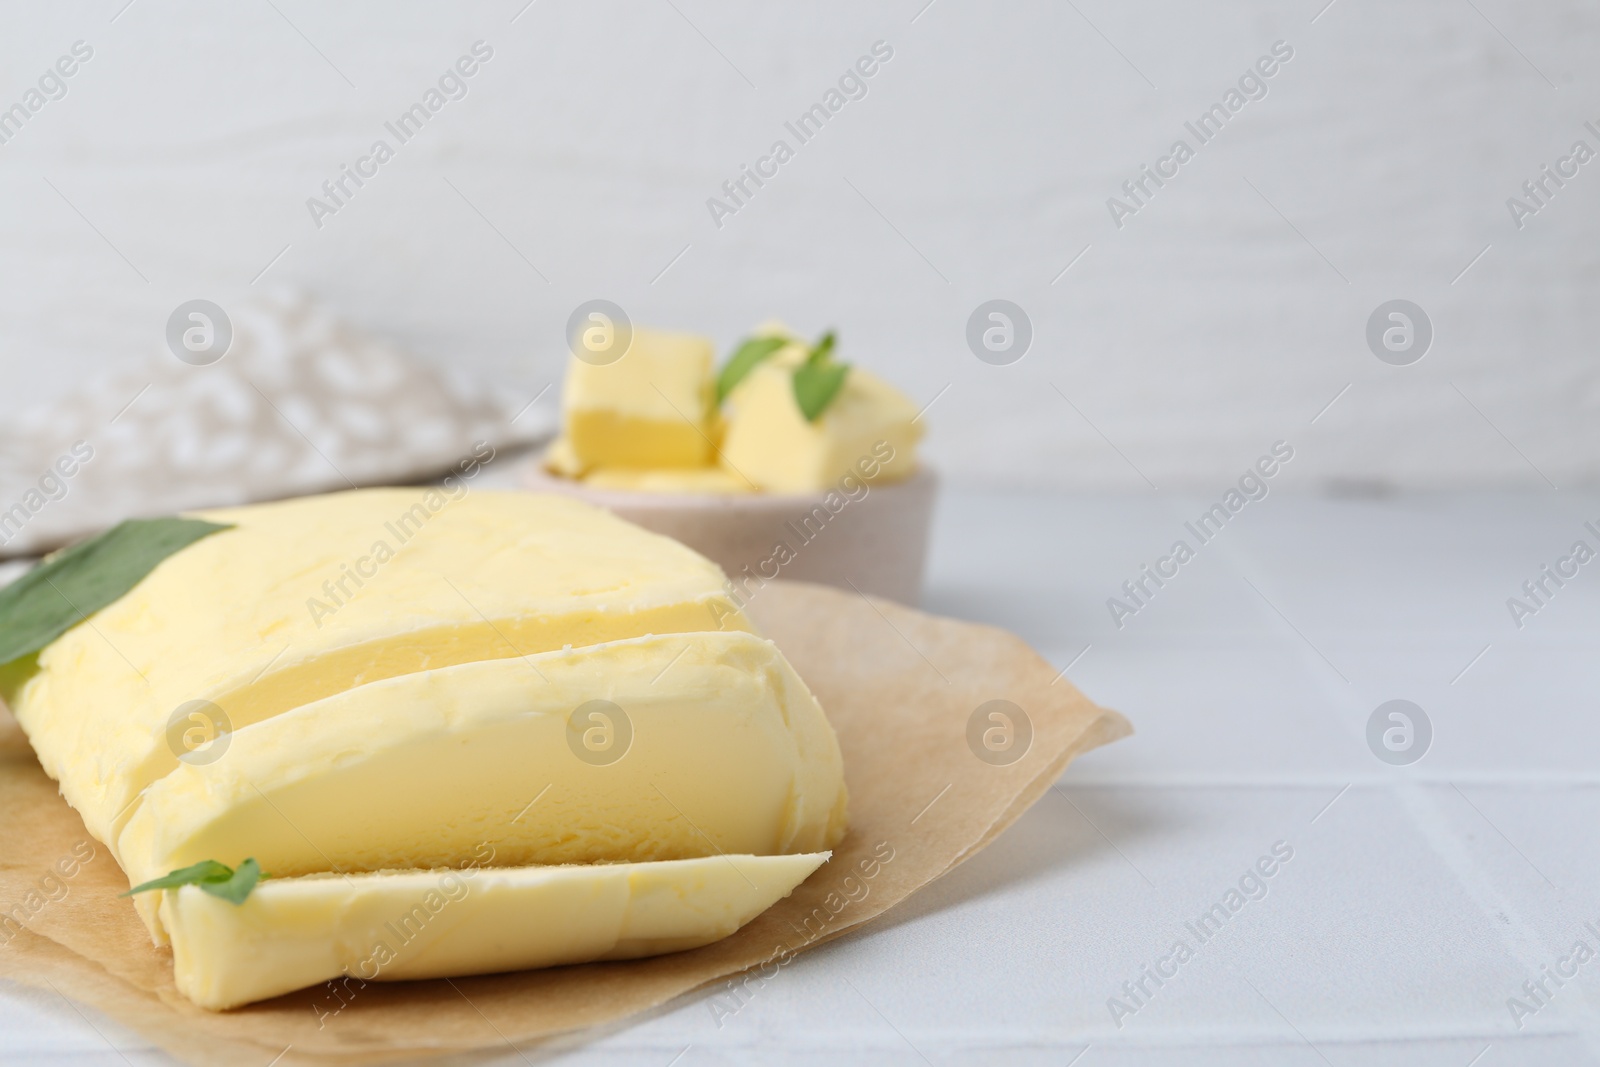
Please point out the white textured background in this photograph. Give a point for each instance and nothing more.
(1222, 317)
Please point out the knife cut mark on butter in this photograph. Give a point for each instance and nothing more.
(696, 829)
(489, 623)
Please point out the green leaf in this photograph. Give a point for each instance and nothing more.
(818, 380)
(77, 582)
(205, 869)
(822, 351)
(238, 886)
(816, 384)
(212, 877)
(750, 353)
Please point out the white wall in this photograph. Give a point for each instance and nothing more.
(1193, 337)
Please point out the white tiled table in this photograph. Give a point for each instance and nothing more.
(1416, 902)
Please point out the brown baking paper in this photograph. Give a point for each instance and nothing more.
(900, 688)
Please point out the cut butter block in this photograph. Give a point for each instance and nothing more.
(650, 408)
(705, 743)
(388, 682)
(308, 598)
(295, 932)
(868, 431)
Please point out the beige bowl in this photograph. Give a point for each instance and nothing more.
(876, 543)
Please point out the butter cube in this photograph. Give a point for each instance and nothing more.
(868, 431)
(652, 408)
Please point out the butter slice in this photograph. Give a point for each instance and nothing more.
(651, 408)
(711, 743)
(296, 932)
(243, 618)
(868, 431)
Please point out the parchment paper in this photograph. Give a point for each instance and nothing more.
(900, 688)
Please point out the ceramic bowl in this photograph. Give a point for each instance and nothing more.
(876, 543)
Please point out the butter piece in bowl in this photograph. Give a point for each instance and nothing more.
(652, 407)
(811, 472)
(770, 442)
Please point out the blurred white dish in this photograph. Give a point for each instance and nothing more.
(875, 542)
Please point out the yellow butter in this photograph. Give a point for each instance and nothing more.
(703, 743)
(524, 680)
(559, 458)
(650, 408)
(719, 480)
(297, 932)
(870, 431)
(307, 598)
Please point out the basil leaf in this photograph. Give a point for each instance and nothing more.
(78, 581)
(745, 359)
(212, 877)
(816, 384)
(818, 380)
(238, 886)
(823, 350)
(184, 876)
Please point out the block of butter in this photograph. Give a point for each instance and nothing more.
(870, 430)
(308, 598)
(650, 408)
(358, 689)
